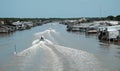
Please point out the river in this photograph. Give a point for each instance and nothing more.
(59, 51)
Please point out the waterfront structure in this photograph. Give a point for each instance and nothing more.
(7, 29)
(19, 25)
(109, 33)
(92, 27)
(22, 25)
(28, 24)
(3, 29)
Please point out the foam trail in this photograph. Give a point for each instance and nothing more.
(45, 32)
(35, 41)
(30, 54)
(58, 58)
(55, 64)
(35, 45)
(77, 60)
(29, 50)
(28, 57)
(48, 42)
(48, 34)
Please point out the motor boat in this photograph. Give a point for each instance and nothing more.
(42, 38)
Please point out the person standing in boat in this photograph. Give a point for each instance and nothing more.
(42, 38)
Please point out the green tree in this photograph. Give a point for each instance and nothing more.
(117, 18)
(110, 18)
(0, 23)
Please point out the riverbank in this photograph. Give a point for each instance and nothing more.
(105, 30)
(20, 25)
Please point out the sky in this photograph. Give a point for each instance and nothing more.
(59, 8)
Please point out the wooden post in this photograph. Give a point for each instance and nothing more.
(15, 52)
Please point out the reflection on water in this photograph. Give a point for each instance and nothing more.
(2, 35)
(60, 51)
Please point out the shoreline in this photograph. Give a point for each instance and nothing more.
(19, 26)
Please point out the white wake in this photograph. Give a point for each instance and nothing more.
(58, 58)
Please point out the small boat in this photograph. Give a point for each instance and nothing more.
(42, 38)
